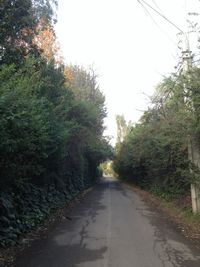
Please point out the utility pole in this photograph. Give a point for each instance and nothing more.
(193, 146)
(187, 59)
(194, 157)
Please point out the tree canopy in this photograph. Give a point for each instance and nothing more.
(51, 134)
(154, 153)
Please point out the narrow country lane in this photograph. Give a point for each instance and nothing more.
(112, 227)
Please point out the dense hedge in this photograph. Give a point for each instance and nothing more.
(51, 144)
(51, 120)
(154, 153)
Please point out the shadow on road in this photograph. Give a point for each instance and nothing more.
(59, 248)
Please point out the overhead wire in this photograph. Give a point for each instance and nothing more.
(157, 5)
(148, 13)
(162, 15)
(161, 29)
(157, 99)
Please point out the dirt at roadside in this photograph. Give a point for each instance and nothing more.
(175, 215)
(8, 255)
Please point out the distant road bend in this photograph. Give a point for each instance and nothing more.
(112, 227)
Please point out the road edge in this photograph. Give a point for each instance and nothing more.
(176, 216)
(9, 254)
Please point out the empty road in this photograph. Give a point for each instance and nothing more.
(112, 227)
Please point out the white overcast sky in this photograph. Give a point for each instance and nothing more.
(128, 50)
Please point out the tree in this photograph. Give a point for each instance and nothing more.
(84, 86)
(154, 153)
(122, 128)
(51, 116)
(46, 42)
(18, 23)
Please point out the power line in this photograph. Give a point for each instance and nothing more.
(148, 13)
(157, 5)
(154, 21)
(161, 15)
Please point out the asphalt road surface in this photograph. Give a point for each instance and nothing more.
(112, 227)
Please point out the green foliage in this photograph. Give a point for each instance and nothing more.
(107, 168)
(122, 128)
(50, 145)
(85, 88)
(18, 23)
(154, 154)
(25, 207)
(51, 134)
(24, 131)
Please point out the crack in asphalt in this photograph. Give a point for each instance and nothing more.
(112, 227)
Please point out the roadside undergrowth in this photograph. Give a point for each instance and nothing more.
(8, 254)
